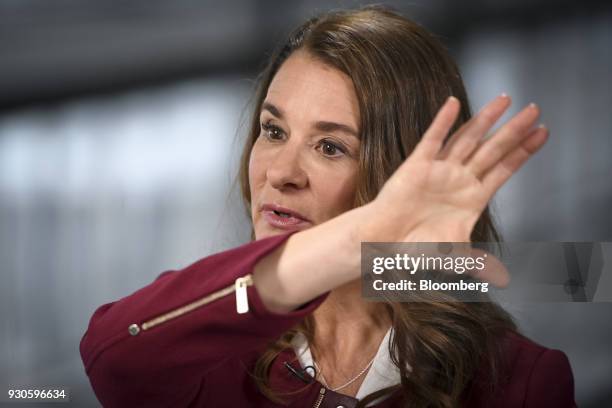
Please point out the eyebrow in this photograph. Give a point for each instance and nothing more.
(323, 126)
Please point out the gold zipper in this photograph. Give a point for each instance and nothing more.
(242, 304)
(319, 398)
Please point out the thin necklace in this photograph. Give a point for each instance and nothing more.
(352, 380)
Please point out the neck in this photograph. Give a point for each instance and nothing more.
(345, 324)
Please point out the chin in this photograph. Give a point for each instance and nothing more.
(269, 231)
(265, 232)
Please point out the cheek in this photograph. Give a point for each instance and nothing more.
(256, 171)
(257, 177)
(339, 195)
(347, 193)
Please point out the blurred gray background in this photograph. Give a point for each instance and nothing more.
(121, 122)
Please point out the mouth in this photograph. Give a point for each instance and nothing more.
(284, 218)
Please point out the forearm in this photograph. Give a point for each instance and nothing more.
(310, 263)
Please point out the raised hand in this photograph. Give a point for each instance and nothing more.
(439, 192)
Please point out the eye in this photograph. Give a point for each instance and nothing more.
(330, 149)
(272, 132)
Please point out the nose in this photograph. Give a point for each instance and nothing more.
(285, 170)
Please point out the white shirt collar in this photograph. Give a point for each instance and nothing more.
(382, 374)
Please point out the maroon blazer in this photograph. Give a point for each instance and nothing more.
(179, 342)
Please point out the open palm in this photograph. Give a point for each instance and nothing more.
(439, 192)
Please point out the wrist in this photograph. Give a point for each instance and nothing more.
(362, 225)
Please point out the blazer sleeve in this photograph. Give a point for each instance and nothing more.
(129, 365)
(551, 383)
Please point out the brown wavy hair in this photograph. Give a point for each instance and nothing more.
(402, 75)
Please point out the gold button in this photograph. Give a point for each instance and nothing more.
(134, 329)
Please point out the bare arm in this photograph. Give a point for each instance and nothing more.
(310, 263)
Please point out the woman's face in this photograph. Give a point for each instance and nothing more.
(305, 161)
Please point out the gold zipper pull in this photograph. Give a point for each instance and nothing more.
(242, 301)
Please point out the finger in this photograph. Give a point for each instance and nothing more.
(510, 164)
(505, 140)
(494, 271)
(432, 140)
(463, 143)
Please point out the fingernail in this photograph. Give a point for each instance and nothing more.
(533, 105)
(503, 95)
(542, 126)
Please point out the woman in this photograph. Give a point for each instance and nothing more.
(349, 142)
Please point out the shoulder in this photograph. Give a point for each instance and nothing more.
(545, 374)
(532, 376)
